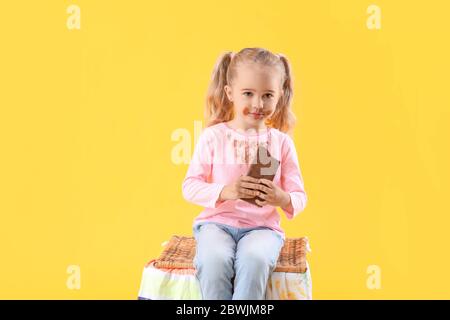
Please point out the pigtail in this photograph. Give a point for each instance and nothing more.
(218, 108)
(283, 118)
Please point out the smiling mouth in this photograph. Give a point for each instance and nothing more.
(256, 115)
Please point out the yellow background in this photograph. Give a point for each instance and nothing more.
(86, 118)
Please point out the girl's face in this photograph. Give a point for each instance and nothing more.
(255, 92)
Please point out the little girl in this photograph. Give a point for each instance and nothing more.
(237, 242)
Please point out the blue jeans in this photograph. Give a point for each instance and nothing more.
(231, 259)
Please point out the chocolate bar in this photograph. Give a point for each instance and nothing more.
(265, 167)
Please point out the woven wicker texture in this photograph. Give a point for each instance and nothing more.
(179, 253)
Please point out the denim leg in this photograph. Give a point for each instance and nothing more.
(256, 257)
(214, 259)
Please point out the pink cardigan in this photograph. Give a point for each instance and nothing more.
(221, 155)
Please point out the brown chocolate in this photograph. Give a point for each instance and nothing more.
(265, 167)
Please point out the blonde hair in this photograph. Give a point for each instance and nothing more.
(220, 109)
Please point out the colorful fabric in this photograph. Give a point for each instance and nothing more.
(182, 284)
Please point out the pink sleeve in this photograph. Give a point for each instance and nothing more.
(291, 178)
(196, 187)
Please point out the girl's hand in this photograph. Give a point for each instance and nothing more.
(243, 187)
(273, 195)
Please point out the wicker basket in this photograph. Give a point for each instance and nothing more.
(179, 253)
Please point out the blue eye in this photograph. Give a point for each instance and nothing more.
(269, 94)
